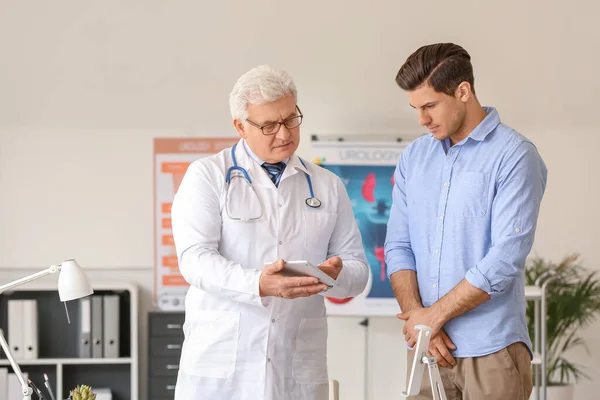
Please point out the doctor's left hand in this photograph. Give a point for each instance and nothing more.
(272, 283)
(332, 266)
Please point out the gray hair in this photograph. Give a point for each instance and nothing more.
(262, 84)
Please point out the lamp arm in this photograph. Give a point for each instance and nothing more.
(26, 390)
(52, 270)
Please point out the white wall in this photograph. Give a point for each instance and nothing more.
(85, 87)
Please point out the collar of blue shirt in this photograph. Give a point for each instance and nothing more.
(489, 123)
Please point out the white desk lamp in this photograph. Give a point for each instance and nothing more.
(73, 284)
(418, 366)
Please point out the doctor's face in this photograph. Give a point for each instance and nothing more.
(264, 131)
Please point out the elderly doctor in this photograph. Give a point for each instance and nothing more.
(251, 332)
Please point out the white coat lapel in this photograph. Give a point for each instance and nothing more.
(293, 167)
(256, 172)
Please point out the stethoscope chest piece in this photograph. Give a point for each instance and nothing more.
(313, 202)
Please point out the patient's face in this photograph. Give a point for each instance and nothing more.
(441, 114)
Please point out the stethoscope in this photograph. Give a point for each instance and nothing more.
(311, 201)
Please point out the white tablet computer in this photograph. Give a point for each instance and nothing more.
(305, 268)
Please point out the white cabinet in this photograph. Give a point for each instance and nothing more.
(367, 355)
(387, 358)
(346, 355)
(58, 341)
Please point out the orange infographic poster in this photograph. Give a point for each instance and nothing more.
(172, 156)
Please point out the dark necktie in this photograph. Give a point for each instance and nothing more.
(274, 171)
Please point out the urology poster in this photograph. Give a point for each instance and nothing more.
(367, 171)
(172, 156)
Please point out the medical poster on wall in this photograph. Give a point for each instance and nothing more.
(367, 171)
(172, 156)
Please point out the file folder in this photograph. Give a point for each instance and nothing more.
(3, 383)
(15, 328)
(14, 389)
(97, 330)
(85, 328)
(30, 329)
(111, 326)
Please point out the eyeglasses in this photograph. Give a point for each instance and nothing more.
(273, 127)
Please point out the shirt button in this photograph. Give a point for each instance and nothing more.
(280, 205)
(273, 321)
(434, 285)
(268, 360)
(441, 217)
(445, 184)
(517, 230)
(280, 242)
(437, 251)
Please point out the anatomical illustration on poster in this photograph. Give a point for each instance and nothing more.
(367, 171)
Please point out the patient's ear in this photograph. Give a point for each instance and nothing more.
(463, 92)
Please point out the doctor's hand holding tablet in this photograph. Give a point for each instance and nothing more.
(298, 278)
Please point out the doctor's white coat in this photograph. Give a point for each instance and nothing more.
(239, 346)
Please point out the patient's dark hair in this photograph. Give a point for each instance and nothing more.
(443, 66)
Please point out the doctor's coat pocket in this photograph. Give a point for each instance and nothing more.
(472, 193)
(211, 342)
(318, 227)
(309, 364)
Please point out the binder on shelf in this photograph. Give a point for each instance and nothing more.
(15, 328)
(14, 391)
(97, 329)
(111, 326)
(30, 329)
(103, 394)
(3, 383)
(85, 328)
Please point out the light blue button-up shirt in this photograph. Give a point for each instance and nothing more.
(469, 211)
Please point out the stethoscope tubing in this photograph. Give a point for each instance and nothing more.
(311, 201)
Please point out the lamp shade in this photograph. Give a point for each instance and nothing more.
(73, 282)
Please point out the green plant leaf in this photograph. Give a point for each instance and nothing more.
(573, 303)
